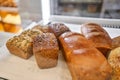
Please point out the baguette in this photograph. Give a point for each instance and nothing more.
(84, 61)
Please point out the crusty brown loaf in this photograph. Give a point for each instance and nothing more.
(58, 29)
(45, 49)
(98, 35)
(21, 45)
(116, 42)
(85, 62)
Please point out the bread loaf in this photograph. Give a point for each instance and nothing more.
(114, 60)
(116, 42)
(21, 45)
(41, 28)
(58, 29)
(12, 28)
(84, 61)
(98, 35)
(45, 49)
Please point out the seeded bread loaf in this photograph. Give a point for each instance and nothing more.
(45, 49)
(22, 44)
(31, 33)
(41, 28)
(98, 35)
(84, 61)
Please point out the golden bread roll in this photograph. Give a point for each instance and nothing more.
(98, 35)
(84, 61)
(114, 61)
(8, 3)
(12, 28)
(10, 16)
(45, 49)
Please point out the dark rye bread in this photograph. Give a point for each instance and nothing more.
(58, 28)
(45, 49)
(21, 45)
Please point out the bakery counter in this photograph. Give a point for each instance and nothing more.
(21, 69)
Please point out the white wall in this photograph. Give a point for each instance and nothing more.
(30, 9)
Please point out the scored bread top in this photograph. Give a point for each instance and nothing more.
(97, 34)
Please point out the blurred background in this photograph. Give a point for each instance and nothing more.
(87, 8)
(15, 15)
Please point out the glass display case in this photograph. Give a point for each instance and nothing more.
(84, 8)
(105, 12)
(87, 8)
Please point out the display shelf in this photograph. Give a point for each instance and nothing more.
(80, 1)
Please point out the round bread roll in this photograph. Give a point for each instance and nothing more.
(12, 28)
(114, 60)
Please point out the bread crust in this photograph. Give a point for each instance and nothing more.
(116, 42)
(99, 36)
(22, 45)
(58, 29)
(45, 49)
(85, 62)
